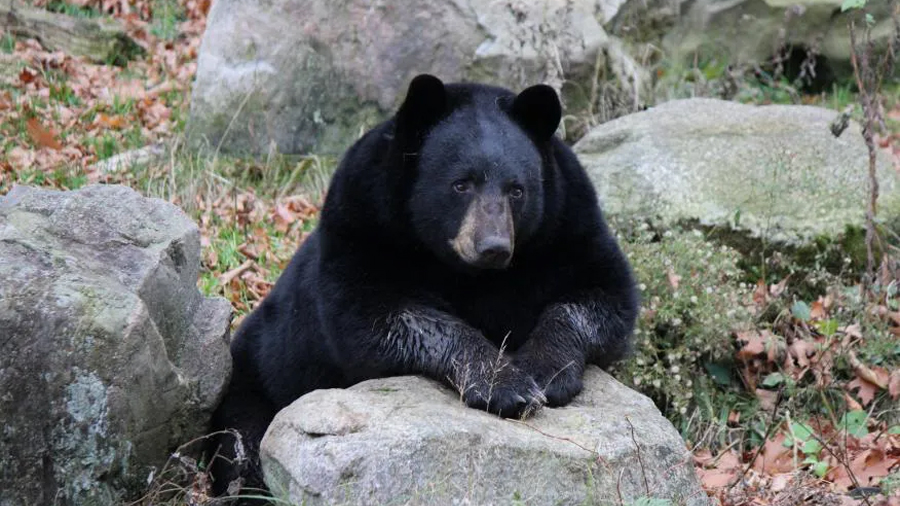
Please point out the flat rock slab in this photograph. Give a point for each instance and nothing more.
(110, 358)
(409, 440)
(776, 170)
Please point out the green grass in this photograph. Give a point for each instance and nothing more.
(60, 177)
(62, 7)
(7, 43)
(105, 145)
(167, 15)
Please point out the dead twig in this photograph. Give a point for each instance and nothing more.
(769, 430)
(637, 448)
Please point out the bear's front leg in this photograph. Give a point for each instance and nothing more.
(425, 340)
(589, 329)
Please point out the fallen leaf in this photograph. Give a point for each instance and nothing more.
(894, 385)
(702, 457)
(865, 391)
(780, 482)
(27, 76)
(767, 399)
(715, 478)
(760, 294)
(753, 344)
(106, 121)
(868, 468)
(854, 331)
(20, 157)
(728, 460)
(775, 457)
(226, 278)
(41, 136)
(284, 217)
(802, 351)
(852, 405)
(875, 375)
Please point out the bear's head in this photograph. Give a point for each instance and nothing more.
(480, 155)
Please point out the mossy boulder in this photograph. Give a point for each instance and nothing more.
(109, 356)
(296, 76)
(410, 440)
(747, 32)
(772, 172)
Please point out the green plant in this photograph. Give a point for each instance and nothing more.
(801, 437)
(693, 300)
(7, 43)
(62, 7)
(167, 15)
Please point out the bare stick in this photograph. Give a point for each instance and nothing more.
(637, 448)
(769, 431)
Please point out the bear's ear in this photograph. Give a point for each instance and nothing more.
(425, 103)
(538, 110)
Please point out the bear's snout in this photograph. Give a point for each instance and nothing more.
(494, 252)
(486, 238)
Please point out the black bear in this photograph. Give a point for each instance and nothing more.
(461, 240)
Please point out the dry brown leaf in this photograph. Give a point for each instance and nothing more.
(728, 460)
(105, 121)
(780, 482)
(767, 399)
(868, 468)
(41, 136)
(760, 294)
(155, 114)
(714, 478)
(865, 391)
(817, 310)
(894, 316)
(20, 158)
(854, 331)
(752, 343)
(852, 405)
(774, 457)
(802, 351)
(131, 90)
(27, 76)
(229, 276)
(702, 457)
(875, 375)
(283, 217)
(894, 385)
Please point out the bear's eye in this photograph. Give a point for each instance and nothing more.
(462, 186)
(516, 192)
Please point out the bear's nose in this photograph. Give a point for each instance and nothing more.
(494, 252)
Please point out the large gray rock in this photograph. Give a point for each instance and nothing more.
(109, 356)
(311, 75)
(745, 31)
(775, 171)
(410, 440)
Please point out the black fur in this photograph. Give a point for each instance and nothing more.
(377, 290)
